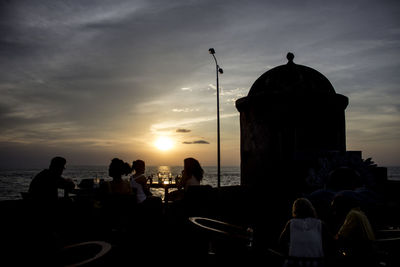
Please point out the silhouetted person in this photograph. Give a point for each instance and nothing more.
(151, 205)
(44, 186)
(305, 239)
(116, 197)
(355, 235)
(192, 175)
(117, 186)
(342, 178)
(49, 216)
(139, 181)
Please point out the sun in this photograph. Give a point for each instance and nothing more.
(163, 143)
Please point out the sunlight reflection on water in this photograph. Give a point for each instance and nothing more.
(13, 182)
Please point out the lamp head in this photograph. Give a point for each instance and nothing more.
(220, 70)
(211, 51)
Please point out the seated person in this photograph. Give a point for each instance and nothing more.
(139, 181)
(355, 236)
(192, 175)
(117, 186)
(117, 200)
(44, 186)
(150, 206)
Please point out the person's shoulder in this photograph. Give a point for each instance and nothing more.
(126, 185)
(314, 219)
(43, 172)
(42, 175)
(141, 175)
(290, 222)
(356, 212)
(354, 216)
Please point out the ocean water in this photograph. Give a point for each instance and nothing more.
(13, 182)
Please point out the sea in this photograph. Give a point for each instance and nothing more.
(15, 181)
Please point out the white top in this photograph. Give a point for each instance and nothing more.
(305, 238)
(191, 181)
(140, 195)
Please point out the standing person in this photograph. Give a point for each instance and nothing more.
(305, 239)
(44, 186)
(355, 236)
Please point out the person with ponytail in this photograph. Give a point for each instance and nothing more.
(118, 185)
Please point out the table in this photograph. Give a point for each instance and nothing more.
(166, 185)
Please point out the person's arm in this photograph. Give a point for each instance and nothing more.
(142, 180)
(182, 181)
(284, 239)
(66, 184)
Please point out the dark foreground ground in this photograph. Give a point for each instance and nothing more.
(37, 236)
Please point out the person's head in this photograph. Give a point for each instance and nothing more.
(138, 166)
(191, 167)
(343, 178)
(118, 168)
(57, 165)
(303, 208)
(343, 202)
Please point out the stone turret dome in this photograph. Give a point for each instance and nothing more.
(291, 79)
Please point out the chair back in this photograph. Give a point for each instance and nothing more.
(199, 200)
(306, 262)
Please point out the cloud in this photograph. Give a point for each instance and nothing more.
(195, 142)
(185, 109)
(180, 130)
(95, 71)
(212, 86)
(188, 121)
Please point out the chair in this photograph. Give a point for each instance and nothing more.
(298, 261)
(117, 211)
(199, 200)
(224, 243)
(84, 253)
(387, 247)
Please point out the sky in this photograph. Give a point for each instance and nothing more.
(94, 80)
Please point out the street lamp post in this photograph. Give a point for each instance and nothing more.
(218, 71)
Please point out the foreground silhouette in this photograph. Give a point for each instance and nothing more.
(45, 185)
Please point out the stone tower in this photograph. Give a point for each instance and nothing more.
(290, 115)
